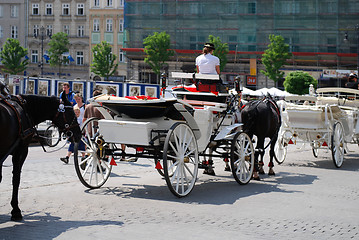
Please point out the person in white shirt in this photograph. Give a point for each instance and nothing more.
(206, 63)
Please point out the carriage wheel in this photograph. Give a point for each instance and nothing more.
(337, 144)
(180, 159)
(242, 158)
(52, 135)
(94, 168)
(280, 148)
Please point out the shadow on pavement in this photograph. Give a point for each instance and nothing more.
(35, 226)
(217, 190)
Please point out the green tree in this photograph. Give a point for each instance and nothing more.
(59, 44)
(221, 50)
(298, 82)
(12, 57)
(104, 61)
(274, 57)
(157, 49)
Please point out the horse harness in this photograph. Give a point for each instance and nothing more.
(67, 127)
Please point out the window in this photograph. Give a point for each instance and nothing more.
(96, 25)
(36, 30)
(121, 57)
(122, 3)
(79, 58)
(34, 56)
(108, 25)
(232, 7)
(252, 7)
(120, 25)
(96, 3)
(65, 9)
(80, 9)
(80, 31)
(48, 10)
(109, 3)
(35, 9)
(1, 32)
(67, 29)
(14, 9)
(332, 7)
(14, 33)
(194, 8)
(49, 30)
(1, 11)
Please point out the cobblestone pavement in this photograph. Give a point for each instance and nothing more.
(307, 199)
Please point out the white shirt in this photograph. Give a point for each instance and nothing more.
(207, 63)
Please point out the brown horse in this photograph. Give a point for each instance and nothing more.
(262, 118)
(17, 121)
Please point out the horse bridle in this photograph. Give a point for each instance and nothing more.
(67, 127)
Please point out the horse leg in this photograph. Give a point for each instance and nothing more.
(209, 168)
(261, 163)
(259, 150)
(271, 155)
(18, 160)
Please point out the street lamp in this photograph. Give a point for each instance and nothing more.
(346, 39)
(42, 35)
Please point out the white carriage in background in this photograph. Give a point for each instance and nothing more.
(329, 121)
(174, 132)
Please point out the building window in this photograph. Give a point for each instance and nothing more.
(14, 9)
(36, 30)
(48, 9)
(121, 57)
(14, 33)
(120, 25)
(96, 3)
(1, 32)
(1, 11)
(108, 25)
(194, 8)
(34, 56)
(79, 58)
(80, 31)
(252, 7)
(96, 25)
(35, 9)
(49, 30)
(80, 9)
(67, 29)
(109, 3)
(122, 3)
(232, 7)
(66, 9)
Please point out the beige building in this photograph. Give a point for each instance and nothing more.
(107, 24)
(13, 21)
(47, 17)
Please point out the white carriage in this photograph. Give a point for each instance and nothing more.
(329, 120)
(174, 132)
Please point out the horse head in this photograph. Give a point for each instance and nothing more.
(66, 120)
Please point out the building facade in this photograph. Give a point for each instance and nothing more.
(107, 24)
(47, 17)
(315, 31)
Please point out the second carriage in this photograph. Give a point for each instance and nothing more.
(174, 132)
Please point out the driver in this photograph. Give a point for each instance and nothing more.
(352, 81)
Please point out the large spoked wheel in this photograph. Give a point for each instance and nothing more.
(52, 135)
(337, 144)
(92, 164)
(280, 149)
(242, 158)
(180, 159)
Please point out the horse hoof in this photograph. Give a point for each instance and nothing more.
(271, 173)
(16, 218)
(256, 178)
(227, 169)
(261, 171)
(209, 172)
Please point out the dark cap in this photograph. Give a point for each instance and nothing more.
(209, 45)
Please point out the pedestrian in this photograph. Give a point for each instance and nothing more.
(352, 81)
(81, 105)
(69, 94)
(81, 147)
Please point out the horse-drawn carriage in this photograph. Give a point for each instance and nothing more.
(175, 132)
(329, 121)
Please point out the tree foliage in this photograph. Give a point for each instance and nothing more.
(59, 44)
(12, 57)
(104, 61)
(221, 50)
(157, 49)
(298, 82)
(274, 57)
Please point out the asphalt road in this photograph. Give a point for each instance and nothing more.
(308, 198)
